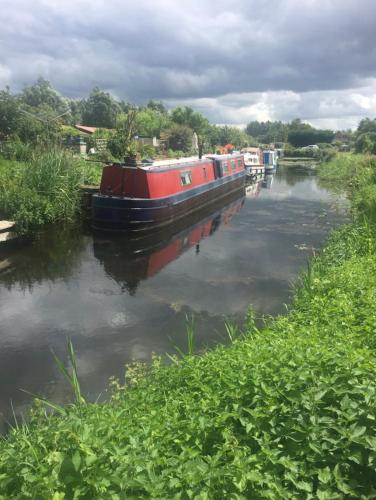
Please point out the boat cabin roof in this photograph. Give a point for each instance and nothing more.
(169, 164)
(223, 157)
(189, 162)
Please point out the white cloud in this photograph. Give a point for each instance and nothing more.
(238, 60)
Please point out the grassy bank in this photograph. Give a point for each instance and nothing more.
(285, 412)
(44, 188)
(357, 174)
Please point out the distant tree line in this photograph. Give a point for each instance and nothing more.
(297, 133)
(40, 113)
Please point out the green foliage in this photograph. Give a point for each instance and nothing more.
(17, 150)
(9, 114)
(157, 106)
(190, 118)
(268, 132)
(299, 137)
(180, 137)
(352, 171)
(100, 109)
(41, 93)
(367, 125)
(125, 131)
(150, 122)
(147, 151)
(220, 136)
(366, 143)
(44, 189)
(365, 137)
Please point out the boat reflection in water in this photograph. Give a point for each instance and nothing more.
(129, 259)
(252, 190)
(268, 181)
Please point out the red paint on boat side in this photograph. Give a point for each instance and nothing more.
(159, 182)
(166, 183)
(161, 258)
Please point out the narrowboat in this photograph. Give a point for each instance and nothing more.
(138, 197)
(270, 161)
(253, 162)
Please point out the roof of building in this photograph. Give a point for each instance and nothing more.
(86, 130)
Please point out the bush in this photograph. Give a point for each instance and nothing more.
(15, 149)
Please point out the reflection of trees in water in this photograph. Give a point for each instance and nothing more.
(334, 186)
(51, 256)
(294, 175)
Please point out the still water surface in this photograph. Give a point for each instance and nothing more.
(120, 299)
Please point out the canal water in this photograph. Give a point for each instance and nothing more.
(121, 299)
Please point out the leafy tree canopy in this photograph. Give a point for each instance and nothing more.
(100, 109)
(157, 106)
(9, 113)
(150, 122)
(42, 94)
(268, 132)
(367, 125)
(187, 116)
(180, 137)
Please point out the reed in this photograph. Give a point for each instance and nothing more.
(44, 189)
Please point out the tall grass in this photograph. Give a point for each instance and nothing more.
(44, 189)
(357, 174)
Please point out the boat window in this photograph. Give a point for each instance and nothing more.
(240, 163)
(186, 177)
(233, 165)
(224, 167)
(205, 172)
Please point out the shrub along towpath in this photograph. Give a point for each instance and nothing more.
(288, 411)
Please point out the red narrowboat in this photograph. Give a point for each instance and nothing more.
(138, 197)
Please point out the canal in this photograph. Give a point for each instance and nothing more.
(122, 299)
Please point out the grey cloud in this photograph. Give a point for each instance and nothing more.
(194, 50)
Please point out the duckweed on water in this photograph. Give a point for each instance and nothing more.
(288, 411)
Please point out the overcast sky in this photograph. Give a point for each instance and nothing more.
(235, 61)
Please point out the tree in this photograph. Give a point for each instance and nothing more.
(76, 110)
(366, 125)
(365, 135)
(10, 114)
(366, 143)
(268, 132)
(157, 106)
(150, 122)
(302, 134)
(100, 109)
(221, 135)
(186, 116)
(125, 132)
(180, 137)
(21, 122)
(42, 94)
